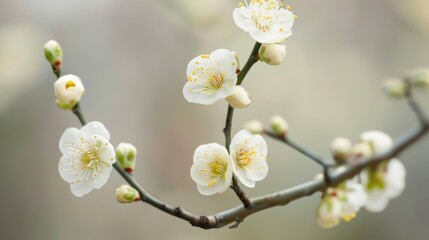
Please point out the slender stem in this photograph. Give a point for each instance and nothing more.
(228, 125)
(253, 58)
(414, 106)
(313, 156)
(78, 112)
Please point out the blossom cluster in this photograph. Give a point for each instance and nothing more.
(213, 167)
(376, 185)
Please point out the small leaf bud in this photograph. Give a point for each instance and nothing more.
(127, 194)
(126, 154)
(419, 78)
(340, 149)
(395, 88)
(239, 98)
(68, 91)
(54, 53)
(255, 127)
(279, 126)
(272, 54)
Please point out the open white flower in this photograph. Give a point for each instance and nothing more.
(211, 169)
(386, 180)
(265, 20)
(382, 183)
(249, 157)
(341, 202)
(87, 157)
(210, 77)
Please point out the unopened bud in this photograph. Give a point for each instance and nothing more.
(395, 88)
(54, 53)
(340, 149)
(361, 150)
(127, 194)
(279, 126)
(329, 212)
(126, 154)
(419, 78)
(272, 54)
(239, 98)
(255, 127)
(68, 91)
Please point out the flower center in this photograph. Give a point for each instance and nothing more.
(89, 159)
(219, 166)
(216, 81)
(244, 158)
(70, 84)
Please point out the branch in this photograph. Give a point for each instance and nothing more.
(315, 157)
(237, 215)
(253, 58)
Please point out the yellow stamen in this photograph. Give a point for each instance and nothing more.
(70, 84)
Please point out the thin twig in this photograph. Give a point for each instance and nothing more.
(313, 156)
(253, 58)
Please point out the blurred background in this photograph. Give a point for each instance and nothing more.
(132, 58)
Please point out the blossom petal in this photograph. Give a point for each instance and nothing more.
(395, 178)
(225, 62)
(379, 141)
(257, 171)
(193, 94)
(67, 168)
(70, 141)
(95, 128)
(102, 177)
(81, 188)
(241, 174)
(377, 201)
(242, 18)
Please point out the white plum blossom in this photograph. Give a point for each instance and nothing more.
(211, 169)
(385, 180)
(87, 157)
(341, 202)
(378, 141)
(211, 77)
(265, 20)
(249, 157)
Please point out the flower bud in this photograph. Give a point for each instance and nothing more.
(127, 194)
(395, 88)
(255, 127)
(419, 78)
(239, 98)
(340, 149)
(68, 91)
(126, 154)
(329, 212)
(272, 54)
(361, 150)
(279, 126)
(54, 53)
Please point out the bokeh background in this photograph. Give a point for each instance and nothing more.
(132, 57)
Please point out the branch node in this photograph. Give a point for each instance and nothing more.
(204, 222)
